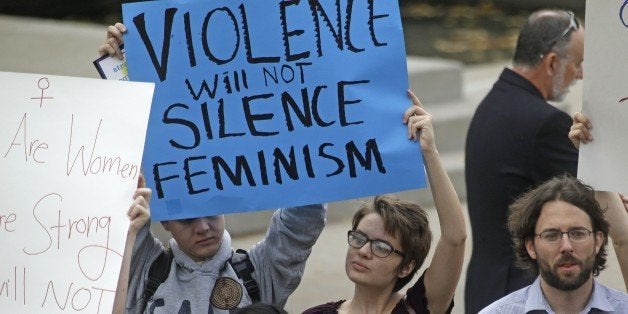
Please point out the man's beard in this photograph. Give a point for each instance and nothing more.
(558, 90)
(552, 278)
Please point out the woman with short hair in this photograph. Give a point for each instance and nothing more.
(390, 239)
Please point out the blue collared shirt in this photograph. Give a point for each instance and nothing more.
(531, 300)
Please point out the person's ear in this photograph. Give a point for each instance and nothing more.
(550, 63)
(599, 241)
(530, 247)
(407, 269)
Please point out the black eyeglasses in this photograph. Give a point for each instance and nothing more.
(573, 25)
(379, 248)
(554, 236)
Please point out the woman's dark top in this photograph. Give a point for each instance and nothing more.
(415, 299)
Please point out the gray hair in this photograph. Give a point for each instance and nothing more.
(543, 32)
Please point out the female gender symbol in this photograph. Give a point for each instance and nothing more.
(43, 84)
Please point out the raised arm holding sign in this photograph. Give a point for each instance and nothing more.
(255, 102)
(200, 272)
(400, 240)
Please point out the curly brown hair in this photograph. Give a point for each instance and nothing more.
(406, 221)
(525, 212)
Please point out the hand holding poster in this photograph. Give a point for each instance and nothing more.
(602, 163)
(70, 151)
(260, 104)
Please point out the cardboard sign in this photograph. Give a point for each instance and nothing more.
(261, 104)
(70, 152)
(602, 163)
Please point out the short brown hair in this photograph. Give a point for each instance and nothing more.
(525, 212)
(406, 221)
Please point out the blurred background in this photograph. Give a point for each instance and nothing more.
(471, 31)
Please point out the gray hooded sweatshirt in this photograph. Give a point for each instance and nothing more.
(279, 261)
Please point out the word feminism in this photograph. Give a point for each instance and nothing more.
(282, 163)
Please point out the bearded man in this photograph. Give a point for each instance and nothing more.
(559, 232)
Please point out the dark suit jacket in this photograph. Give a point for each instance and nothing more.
(516, 141)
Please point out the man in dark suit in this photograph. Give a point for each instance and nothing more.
(517, 140)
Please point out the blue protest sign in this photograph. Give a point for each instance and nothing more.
(260, 104)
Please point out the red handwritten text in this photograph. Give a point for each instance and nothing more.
(32, 148)
(5, 221)
(97, 164)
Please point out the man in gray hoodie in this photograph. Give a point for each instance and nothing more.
(201, 279)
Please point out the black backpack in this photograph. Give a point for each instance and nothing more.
(240, 262)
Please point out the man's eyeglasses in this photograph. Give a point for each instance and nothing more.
(573, 25)
(554, 236)
(379, 248)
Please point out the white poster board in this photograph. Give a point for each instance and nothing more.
(603, 163)
(70, 150)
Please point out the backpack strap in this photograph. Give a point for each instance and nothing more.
(157, 273)
(241, 263)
